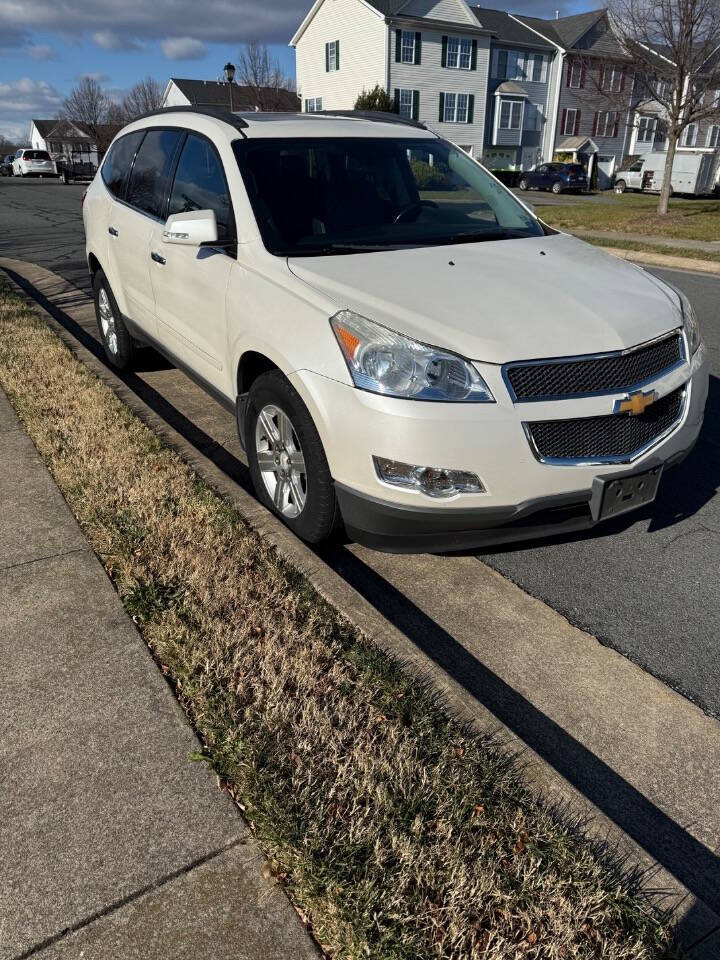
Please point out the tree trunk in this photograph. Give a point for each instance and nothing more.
(662, 208)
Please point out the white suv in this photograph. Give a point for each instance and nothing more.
(33, 163)
(408, 349)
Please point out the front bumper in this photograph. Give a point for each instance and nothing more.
(524, 499)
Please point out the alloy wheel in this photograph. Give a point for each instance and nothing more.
(107, 321)
(281, 461)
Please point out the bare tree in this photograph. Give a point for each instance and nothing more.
(144, 97)
(264, 76)
(87, 103)
(7, 146)
(675, 48)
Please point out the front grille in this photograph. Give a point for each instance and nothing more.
(615, 437)
(603, 374)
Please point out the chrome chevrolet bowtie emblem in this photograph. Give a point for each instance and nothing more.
(635, 403)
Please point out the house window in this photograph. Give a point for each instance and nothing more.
(569, 123)
(407, 103)
(407, 47)
(457, 107)
(313, 105)
(611, 78)
(332, 56)
(575, 74)
(689, 135)
(511, 112)
(533, 117)
(646, 129)
(536, 68)
(713, 136)
(606, 123)
(459, 53)
(662, 89)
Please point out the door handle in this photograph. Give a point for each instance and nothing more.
(157, 258)
(113, 232)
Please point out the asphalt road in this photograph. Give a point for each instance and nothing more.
(647, 585)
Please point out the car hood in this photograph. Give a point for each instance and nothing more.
(502, 300)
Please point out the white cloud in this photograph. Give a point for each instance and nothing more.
(15, 130)
(28, 96)
(40, 51)
(183, 48)
(110, 40)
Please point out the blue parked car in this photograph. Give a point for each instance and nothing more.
(557, 177)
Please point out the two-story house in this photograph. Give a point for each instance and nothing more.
(519, 110)
(432, 56)
(595, 91)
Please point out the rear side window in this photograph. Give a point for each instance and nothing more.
(117, 163)
(149, 180)
(36, 155)
(200, 185)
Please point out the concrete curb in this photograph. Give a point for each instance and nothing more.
(662, 260)
(508, 609)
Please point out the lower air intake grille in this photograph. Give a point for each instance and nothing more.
(616, 436)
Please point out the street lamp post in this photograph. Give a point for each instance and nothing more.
(229, 71)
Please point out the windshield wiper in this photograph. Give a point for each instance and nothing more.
(480, 236)
(339, 248)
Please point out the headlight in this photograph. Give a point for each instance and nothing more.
(692, 329)
(383, 361)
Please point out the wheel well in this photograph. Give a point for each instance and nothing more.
(251, 366)
(94, 265)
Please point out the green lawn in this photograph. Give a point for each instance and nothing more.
(636, 213)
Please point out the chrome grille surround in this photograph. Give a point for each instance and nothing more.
(589, 375)
(574, 441)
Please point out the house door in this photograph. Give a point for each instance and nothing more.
(530, 158)
(606, 169)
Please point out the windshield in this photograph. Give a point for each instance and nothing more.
(327, 196)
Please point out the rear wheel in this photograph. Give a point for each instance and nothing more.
(523, 184)
(64, 177)
(113, 333)
(556, 187)
(287, 462)
(620, 186)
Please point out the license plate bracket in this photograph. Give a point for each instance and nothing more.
(616, 496)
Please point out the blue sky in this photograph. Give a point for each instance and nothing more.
(47, 45)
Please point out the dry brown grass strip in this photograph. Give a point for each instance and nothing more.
(397, 831)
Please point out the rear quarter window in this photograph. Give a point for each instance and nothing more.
(117, 163)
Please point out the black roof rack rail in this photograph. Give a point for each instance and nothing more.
(216, 112)
(377, 115)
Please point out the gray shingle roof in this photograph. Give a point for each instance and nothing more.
(216, 94)
(505, 28)
(566, 31)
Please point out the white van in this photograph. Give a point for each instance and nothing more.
(33, 163)
(693, 174)
(408, 349)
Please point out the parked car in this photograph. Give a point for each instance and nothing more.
(558, 177)
(34, 163)
(693, 174)
(433, 367)
(6, 165)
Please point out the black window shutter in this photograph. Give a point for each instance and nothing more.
(562, 123)
(416, 105)
(443, 58)
(327, 58)
(398, 45)
(473, 61)
(418, 47)
(471, 107)
(397, 100)
(337, 54)
(442, 107)
(577, 123)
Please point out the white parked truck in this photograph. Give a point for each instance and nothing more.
(692, 173)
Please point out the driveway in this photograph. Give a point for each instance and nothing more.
(648, 585)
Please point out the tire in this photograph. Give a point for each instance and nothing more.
(556, 187)
(620, 186)
(523, 184)
(63, 177)
(114, 335)
(316, 517)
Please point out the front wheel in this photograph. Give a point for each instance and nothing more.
(620, 186)
(64, 177)
(523, 184)
(556, 187)
(287, 462)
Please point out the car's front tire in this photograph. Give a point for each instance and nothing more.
(287, 461)
(556, 187)
(523, 184)
(620, 186)
(114, 335)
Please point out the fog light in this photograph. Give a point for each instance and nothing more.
(433, 481)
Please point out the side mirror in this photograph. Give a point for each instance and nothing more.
(192, 229)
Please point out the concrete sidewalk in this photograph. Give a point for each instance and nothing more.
(650, 241)
(113, 843)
